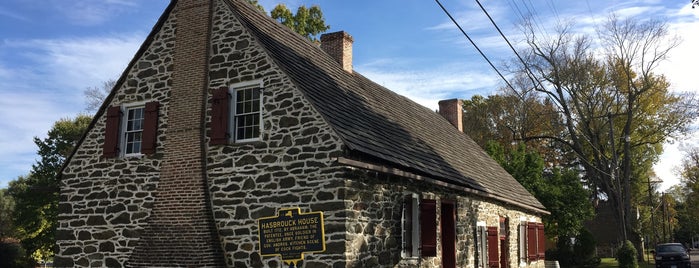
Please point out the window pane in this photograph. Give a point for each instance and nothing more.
(133, 131)
(247, 114)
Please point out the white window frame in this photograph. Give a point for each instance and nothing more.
(522, 242)
(481, 245)
(123, 132)
(233, 90)
(414, 251)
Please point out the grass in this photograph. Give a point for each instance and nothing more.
(612, 263)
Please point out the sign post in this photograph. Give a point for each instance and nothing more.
(291, 234)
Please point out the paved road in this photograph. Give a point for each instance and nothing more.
(694, 256)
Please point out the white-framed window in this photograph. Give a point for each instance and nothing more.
(410, 226)
(481, 245)
(522, 243)
(246, 111)
(132, 129)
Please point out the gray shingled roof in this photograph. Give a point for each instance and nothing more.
(377, 122)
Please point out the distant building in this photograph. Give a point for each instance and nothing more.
(225, 117)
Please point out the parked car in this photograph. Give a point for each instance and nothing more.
(671, 255)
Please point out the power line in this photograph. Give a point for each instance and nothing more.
(529, 72)
(474, 45)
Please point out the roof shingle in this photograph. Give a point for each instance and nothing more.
(376, 121)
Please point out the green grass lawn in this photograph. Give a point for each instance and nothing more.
(612, 263)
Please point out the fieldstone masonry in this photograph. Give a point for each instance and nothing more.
(180, 231)
(106, 202)
(142, 211)
(292, 165)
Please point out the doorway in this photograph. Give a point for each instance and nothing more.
(448, 222)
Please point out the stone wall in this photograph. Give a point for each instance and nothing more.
(180, 230)
(105, 202)
(374, 221)
(292, 166)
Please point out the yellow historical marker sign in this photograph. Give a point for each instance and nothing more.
(291, 234)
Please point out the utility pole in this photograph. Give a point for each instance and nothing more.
(664, 205)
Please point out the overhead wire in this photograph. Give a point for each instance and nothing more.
(474, 45)
(528, 70)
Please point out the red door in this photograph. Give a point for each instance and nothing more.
(448, 223)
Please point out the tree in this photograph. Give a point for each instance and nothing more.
(613, 106)
(557, 189)
(94, 96)
(7, 206)
(507, 118)
(308, 22)
(257, 5)
(687, 210)
(36, 195)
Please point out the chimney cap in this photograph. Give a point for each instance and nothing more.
(335, 35)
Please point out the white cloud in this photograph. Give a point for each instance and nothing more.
(427, 87)
(48, 86)
(91, 12)
(74, 64)
(11, 14)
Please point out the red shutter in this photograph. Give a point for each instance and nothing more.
(493, 242)
(110, 148)
(541, 241)
(150, 128)
(428, 228)
(219, 116)
(531, 241)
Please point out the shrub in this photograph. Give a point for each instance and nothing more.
(584, 251)
(564, 252)
(11, 253)
(627, 255)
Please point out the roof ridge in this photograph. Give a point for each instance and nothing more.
(375, 121)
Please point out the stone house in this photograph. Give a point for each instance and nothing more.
(225, 117)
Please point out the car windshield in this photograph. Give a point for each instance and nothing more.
(670, 248)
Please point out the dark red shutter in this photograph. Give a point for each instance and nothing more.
(541, 245)
(150, 128)
(531, 241)
(493, 242)
(428, 228)
(219, 116)
(110, 148)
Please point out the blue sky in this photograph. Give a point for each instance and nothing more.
(52, 50)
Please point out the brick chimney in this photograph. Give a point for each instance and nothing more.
(180, 230)
(453, 112)
(339, 46)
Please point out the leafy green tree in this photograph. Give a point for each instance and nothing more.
(308, 22)
(559, 190)
(510, 119)
(36, 195)
(688, 196)
(615, 109)
(256, 4)
(7, 207)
